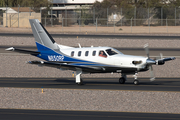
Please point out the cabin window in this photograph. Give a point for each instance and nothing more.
(79, 53)
(72, 53)
(86, 53)
(94, 53)
(102, 54)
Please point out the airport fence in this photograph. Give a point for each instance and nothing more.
(103, 20)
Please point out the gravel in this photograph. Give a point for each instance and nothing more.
(123, 43)
(90, 100)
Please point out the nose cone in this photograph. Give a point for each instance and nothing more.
(150, 61)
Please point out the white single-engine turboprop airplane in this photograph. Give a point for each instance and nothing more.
(87, 59)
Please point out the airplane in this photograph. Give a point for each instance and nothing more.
(85, 60)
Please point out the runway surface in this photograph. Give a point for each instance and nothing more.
(20, 114)
(161, 84)
(95, 36)
(129, 51)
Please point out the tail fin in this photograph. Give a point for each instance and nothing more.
(42, 38)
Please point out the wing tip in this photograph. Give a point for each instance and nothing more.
(173, 58)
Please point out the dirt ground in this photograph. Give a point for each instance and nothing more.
(101, 30)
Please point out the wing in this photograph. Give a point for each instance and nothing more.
(68, 66)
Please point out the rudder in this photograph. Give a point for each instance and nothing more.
(42, 36)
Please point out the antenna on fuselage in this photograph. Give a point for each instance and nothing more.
(79, 45)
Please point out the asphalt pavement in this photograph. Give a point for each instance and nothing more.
(96, 36)
(160, 84)
(23, 114)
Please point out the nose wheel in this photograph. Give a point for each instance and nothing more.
(136, 82)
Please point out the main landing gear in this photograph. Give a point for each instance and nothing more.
(79, 81)
(122, 79)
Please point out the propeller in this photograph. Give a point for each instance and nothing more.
(150, 62)
(152, 76)
(160, 57)
(158, 61)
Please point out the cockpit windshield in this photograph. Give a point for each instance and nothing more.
(112, 52)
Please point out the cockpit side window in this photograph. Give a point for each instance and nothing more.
(102, 54)
(111, 52)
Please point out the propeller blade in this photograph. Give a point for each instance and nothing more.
(161, 55)
(152, 77)
(147, 49)
(150, 62)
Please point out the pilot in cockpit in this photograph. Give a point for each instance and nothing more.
(102, 54)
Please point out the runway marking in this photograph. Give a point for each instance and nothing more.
(41, 79)
(6, 79)
(31, 82)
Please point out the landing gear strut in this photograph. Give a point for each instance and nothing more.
(79, 81)
(136, 81)
(122, 79)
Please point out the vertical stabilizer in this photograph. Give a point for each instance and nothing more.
(42, 36)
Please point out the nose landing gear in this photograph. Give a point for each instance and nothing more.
(136, 82)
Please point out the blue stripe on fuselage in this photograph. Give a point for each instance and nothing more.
(50, 55)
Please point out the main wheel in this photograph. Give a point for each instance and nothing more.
(136, 82)
(81, 82)
(122, 80)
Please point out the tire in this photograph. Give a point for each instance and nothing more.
(122, 80)
(136, 82)
(80, 83)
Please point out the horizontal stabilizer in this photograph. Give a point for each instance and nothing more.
(22, 51)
